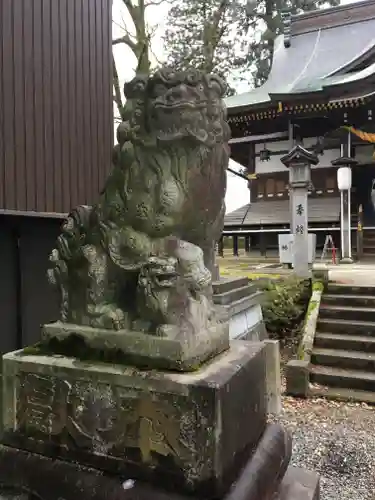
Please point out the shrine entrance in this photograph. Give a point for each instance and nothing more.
(364, 192)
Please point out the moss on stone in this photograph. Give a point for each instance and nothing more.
(75, 346)
(310, 308)
(318, 286)
(303, 350)
(32, 350)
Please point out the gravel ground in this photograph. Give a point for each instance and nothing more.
(337, 440)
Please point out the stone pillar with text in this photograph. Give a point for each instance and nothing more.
(299, 161)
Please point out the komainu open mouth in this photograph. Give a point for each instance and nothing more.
(180, 105)
(166, 280)
(164, 273)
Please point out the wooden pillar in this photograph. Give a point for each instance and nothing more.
(247, 244)
(235, 245)
(262, 244)
(221, 247)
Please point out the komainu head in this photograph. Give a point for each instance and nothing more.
(179, 106)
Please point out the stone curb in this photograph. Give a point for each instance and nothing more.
(297, 370)
(321, 275)
(273, 377)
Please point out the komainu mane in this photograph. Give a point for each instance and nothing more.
(141, 257)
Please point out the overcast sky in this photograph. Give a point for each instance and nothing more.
(237, 191)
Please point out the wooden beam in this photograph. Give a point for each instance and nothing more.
(260, 138)
(237, 173)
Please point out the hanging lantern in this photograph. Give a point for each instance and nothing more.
(265, 154)
(344, 178)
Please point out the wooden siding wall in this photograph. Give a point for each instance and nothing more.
(275, 185)
(56, 126)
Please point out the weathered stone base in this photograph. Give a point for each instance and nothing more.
(346, 260)
(273, 377)
(297, 377)
(241, 300)
(26, 476)
(183, 353)
(299, 484)
(193, 430)
(256, 333)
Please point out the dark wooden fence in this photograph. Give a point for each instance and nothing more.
(56, 111)
(26, 299)
(56, 139)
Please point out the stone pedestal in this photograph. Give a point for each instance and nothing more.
(184, 352)
(100, 430)
(27, 476)
(241, 300)
(193, 431)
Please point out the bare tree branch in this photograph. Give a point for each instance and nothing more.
(121, 26)
(127, 41)
(153, 3)
(137, 16)
(138, 42)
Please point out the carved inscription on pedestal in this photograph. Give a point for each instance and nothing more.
(104, 419)
(40, 407)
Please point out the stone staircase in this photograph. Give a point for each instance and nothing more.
(343, 356)
(369, 243)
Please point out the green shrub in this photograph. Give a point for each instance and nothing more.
(284, 307)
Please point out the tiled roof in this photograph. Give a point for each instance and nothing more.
(266, 213)
(317, 59)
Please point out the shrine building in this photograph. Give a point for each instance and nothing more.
(320, 93)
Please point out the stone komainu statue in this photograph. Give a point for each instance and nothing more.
(141, 257)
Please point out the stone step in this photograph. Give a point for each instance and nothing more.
(346, 312)
(228, 284)
(341, 358)
(349, 300)
(344, 341)
(346, 327)
(342, 379)
(342, 394)
(367, 250)
(255, 299)
(346, 289)
(231, 296)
